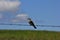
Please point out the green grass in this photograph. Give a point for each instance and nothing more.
(28, 35)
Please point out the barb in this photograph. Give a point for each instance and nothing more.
(29, 25)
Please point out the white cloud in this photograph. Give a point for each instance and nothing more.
(20, 18)
(22, 15)
(9, 5)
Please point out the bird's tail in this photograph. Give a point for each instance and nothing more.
(35, 27)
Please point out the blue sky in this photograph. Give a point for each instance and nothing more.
(41, 11)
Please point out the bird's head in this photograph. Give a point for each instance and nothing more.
(29, 19)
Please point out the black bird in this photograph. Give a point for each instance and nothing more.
(31, 23)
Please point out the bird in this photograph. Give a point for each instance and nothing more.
(31, 23)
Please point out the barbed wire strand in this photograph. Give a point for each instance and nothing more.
(29, 25)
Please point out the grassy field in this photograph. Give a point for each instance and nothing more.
(28, 35)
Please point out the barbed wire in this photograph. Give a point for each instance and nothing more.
(29, 25)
